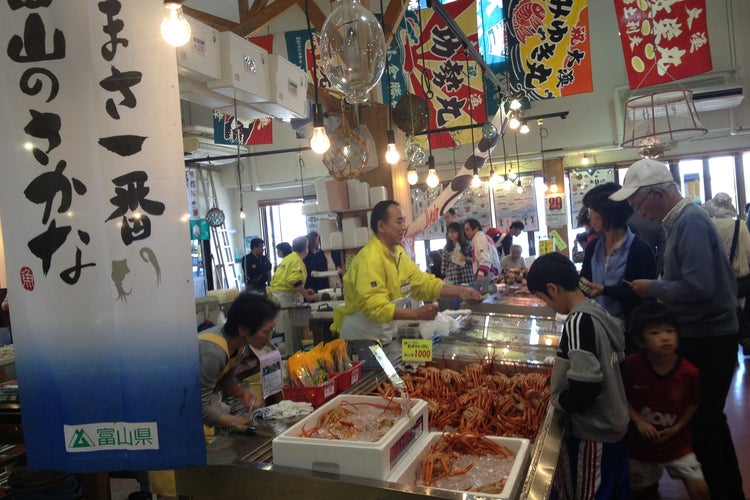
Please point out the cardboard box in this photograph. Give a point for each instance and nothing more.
(353, 458)
(406, 471)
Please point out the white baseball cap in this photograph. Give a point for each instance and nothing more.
(645, 172)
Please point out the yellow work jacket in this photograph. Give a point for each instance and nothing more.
(376, 278)
(290, 273)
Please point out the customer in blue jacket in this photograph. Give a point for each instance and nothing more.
(699, 286)
(616, 257)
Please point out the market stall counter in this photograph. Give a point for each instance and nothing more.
(242, 463)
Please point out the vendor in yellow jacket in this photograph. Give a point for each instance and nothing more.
(382, 277)
(288, 282)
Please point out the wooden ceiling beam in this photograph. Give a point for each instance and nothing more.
(251, 24)
(392, 17)
(216, 22)
(317, 18)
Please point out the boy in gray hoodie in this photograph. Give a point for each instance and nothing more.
(586, 385)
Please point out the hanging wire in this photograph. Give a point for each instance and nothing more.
(505, 159)
(301, 179)
(388, 76)
(518, 159)
(471, 108)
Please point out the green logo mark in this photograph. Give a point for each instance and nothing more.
(81, 440)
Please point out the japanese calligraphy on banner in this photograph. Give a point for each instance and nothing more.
(299, 52)
(662, 41)
(229, 129)
(103, 309)
(548, 48)
(432, 59)
(510, 205)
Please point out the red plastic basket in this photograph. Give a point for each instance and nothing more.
(315, 395)
(345, 380)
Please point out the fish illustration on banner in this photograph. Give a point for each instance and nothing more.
(548, 48)
(458, 185)
(661, 42)
(229, 129)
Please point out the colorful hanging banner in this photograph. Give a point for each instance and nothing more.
(663, 42)
(100, 284)
(548, 48)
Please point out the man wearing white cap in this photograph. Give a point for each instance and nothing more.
(699, 285)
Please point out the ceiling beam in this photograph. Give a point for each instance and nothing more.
(392, 17)
(252, 24)
(216, 22)
(317, 18)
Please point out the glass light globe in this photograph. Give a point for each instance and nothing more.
(489, 131)
(411, 176)
(415, 154)
(432, 179)
(352, 50)
(476, 182)
(175, 29)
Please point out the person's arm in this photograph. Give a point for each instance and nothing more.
(646, 430)
(584, 375)
(668, 432)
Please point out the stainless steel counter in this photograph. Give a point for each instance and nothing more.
(241, 465)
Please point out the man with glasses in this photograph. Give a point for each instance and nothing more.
(699, 286)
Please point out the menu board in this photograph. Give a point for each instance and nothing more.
(583, 179)
(510, 205)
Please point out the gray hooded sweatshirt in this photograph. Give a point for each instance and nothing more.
(590, 352)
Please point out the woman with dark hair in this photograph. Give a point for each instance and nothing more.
(457, 256)
(617, 256)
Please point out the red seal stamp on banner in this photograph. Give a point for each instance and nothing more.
(27, 278)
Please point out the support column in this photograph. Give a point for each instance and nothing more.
(554, 168)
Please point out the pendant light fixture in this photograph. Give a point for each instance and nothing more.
(476, 181)
(432, 178)
(585, 159)
(411, 175)
(319, 142)
(519, 187)
(175, 29)
(392, 155)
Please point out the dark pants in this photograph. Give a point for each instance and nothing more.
(716, 359)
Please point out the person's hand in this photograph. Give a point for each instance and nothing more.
(667, 433)
(647, 430)
(252, 401)
(641, 287)
(596, 288)
(427, 311)
(470, 294)
(310, 295)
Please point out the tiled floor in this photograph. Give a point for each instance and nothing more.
(738, 413)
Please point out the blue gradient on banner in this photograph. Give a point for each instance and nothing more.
(51, 393)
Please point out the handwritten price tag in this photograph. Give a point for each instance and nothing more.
(416, 350)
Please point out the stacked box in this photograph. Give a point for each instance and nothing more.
(353, 458)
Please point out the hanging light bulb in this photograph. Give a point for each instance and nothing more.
(514, 123)
(476, 181)
(319, 142)
(411, 175)
(432, 178)
(545, 185)
(585, 160)
(242, 214)
(524, 128)
(512, 176)
(175, 29)
(391, 153)
(494, 178)
(553, 186)
(515, 104)
(519, 188)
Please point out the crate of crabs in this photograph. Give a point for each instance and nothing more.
(491, 466)
(363, 436)
(484, 397)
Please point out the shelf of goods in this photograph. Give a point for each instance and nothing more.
(501, 353)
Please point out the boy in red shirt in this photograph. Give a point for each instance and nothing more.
(663, 394)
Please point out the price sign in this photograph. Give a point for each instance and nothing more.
(416, 350)
(555, 209)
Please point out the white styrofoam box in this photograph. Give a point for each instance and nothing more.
(349, 224)
(326, 228)
(197, 92)
(310, 208)
(242, 111)
(288, 90)
(244, 70)
(405, 472)
(361, 236)
(353, 458)
(338, 198)
(200, 58)
(337, 240)
(321, 193)
(378, 194)
(359, 194)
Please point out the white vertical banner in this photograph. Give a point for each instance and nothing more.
(96, 238)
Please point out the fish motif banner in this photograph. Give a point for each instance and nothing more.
(548, 48)
(95, 228)
(229, 129)
(426, 59)
(663, 41)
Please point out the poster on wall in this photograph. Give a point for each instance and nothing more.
(98, 233)
(510, 205)
(580, 181)
(692, 183)
(555, 209)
